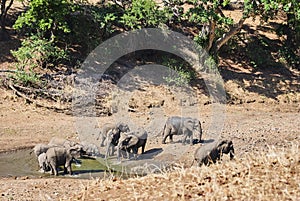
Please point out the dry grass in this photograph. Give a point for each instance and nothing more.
(272, 175)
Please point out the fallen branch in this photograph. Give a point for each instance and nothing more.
(37, 103)
(41, 91)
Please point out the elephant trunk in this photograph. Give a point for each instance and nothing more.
(200, 132)
(231, 153)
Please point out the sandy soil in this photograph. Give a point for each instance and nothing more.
(251, 126)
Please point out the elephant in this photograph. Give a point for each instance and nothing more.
(90, 149)
(181, 125)
(103, 133)
(57, 156)
(41, 148)
(113, 137)
(107, 128)
(43, 163)
(211, 153)
(56, 141)
(132, 141)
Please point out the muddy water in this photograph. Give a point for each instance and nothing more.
(18, 163)
(23, 163)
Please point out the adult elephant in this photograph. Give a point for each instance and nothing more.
(113, 137)
(132, 142)
(41, 148)
(211, 153)
(57, 141)
(61, 156)
(185, 126)
(103, 133)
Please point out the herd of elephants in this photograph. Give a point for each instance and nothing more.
(118, 137)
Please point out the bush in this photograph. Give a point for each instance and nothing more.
(38, 52)
(27, 78)
(46, 16)
(181, 76)
(143, 13)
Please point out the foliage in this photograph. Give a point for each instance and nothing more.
(38, 52)
(179, 73)
(66, 22)
(46, 16)
(27, 78)
(143, 13)
(89, 26)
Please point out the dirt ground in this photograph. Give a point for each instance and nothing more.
(251, 126)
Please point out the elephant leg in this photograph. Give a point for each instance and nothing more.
(118, 153)
(102, 141)
(127, 152)
(69, 169)
(164, 139)
(171, 138)
(135, 151)
(191, 138)
(143, 147)
(200, 136)
(54, 168)
(185, 134)
(65, 170)
(107, 149)
(166, 133)
(112, 150)
(184, 139)
(51, 170)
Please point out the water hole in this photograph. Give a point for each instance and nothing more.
(22, 162)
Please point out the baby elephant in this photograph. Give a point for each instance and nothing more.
(58, 156)
(43, 163)
(210, 153)
(132, 141)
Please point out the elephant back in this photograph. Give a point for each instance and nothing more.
(57, 155)
(140, 133)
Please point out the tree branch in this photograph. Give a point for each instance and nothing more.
(233, 30)
(212, 34)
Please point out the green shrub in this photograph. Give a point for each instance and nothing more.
(46, 16)
(38, 52)
(181, 76)
(27, 78)
(143, 13)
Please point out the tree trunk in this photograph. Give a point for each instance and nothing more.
(221, 41)
(4, 9)
(293, 35)
(212, 35)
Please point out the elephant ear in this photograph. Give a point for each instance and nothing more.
(132, 141)
(225, 146)
(189, 123)
(196, 122)
(123, 127)
(76, 150)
